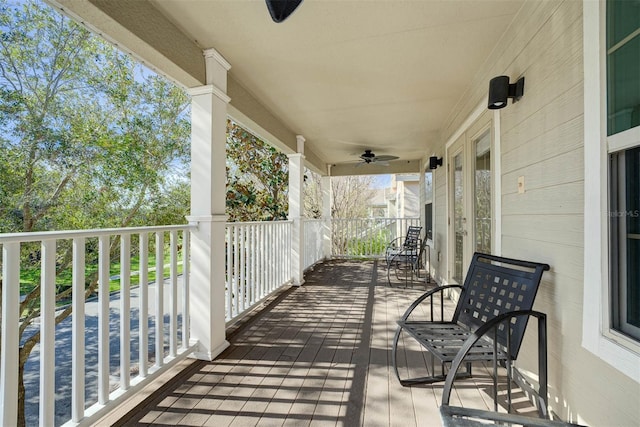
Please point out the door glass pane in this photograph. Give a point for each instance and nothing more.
(482, 193)
(458, 217)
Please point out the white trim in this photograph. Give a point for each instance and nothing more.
(496, 160)
(207, 218)
(475, 114)
(596, 257)
(212, 53)
(623, 140)
(209, 90)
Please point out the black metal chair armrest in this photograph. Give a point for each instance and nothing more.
(456, 416)
(424, 296)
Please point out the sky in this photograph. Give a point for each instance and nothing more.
(381, 181)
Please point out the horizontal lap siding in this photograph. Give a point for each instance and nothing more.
(542, 140)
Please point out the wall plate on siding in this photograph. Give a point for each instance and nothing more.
(521, 184)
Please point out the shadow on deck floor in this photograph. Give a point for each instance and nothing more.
(316, 355)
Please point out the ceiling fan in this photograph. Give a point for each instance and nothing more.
(281, 9)
(369, 157)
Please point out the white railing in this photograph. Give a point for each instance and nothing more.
(258, 261)
(112, 334)
(113, 331)
(313, 238)
(366, 237)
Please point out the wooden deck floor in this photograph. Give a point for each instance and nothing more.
(320, 355)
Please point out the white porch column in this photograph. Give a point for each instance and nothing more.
(296, 205)
(208, 192)
(325, 185)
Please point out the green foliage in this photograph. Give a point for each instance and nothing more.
(257, 178)
(88, 139)
(91, 137)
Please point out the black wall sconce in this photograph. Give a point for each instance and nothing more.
(434, 162)
(500, 90)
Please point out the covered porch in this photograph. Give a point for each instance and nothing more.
(405, 79)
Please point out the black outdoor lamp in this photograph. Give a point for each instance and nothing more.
(500, 90)
(434, 162)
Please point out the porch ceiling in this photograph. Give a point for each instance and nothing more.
(347, 75)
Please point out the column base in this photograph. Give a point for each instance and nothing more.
(210, 355)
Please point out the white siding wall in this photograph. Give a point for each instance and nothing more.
(542, 140)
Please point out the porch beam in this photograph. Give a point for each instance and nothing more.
(395, 166)
(245, 109)
(208, 191)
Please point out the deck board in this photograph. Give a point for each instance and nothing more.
(319, 356)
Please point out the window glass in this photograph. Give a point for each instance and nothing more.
(632, 228)
(623, 65)
(482, 194)
(625, 236)
(428, 207)
(623, 113)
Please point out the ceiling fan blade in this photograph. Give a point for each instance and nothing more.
(281, 9)
(385, 158)
(382, 163)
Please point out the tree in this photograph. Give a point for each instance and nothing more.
(89, 140)
(312, 195)
(350, 196)
(257, 178)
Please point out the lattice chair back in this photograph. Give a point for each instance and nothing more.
(412, 240)
(495, 285)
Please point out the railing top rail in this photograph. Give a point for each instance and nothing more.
(393, 218)
(241, 223)
(70, 234)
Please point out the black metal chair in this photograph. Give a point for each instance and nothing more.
(408, 242)
(406, 264)
(493, 286)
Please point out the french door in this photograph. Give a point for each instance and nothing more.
(471, 186)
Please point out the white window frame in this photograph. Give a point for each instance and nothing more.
(598, 335)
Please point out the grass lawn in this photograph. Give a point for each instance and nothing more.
(30, 275)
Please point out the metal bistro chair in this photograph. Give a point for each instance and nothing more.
(493, 286)
(407, 263)
(410, 241)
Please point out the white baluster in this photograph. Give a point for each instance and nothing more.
(125, 311)
(10, 337)
(173, 296)
(242, 247)
(78, 330)
(47, 332)
(236, 285)
(186, 263)
(143, 307)
(103, 320)
(159, 299)
(229, 291)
